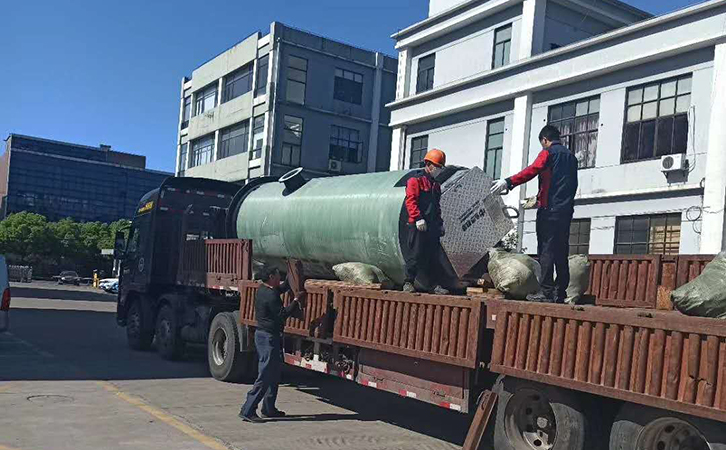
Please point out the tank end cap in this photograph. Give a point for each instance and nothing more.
(293, 180)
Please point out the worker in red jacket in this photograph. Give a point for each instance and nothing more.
(557, 169)
(425, 225)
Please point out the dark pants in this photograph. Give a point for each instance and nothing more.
(553, 234)
(269, 350)
(423, 254)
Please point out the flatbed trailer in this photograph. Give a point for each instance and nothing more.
(611, 365)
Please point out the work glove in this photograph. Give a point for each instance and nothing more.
(498, 186)
(421, 225)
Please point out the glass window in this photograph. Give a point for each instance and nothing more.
(580, 237)
(297, 72)
(206, 99)
(202, 151)
(186, 111)
(258, 136)
(182, 159)
(656, 119)
(578, 122)
(263, 69)
(348, 86)
(345, 144)
(502, 46)
(234, 140)
(237, 83)
(494, 148)
(425, 79)
(655, 234)
(419, 147)
(292, 141)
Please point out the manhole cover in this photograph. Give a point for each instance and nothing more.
(50, 399)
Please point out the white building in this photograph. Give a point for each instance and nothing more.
(480, 78)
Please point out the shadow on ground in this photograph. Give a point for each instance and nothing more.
(70, 293)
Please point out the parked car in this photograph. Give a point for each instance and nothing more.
(106, 283)
(113, 288)
(69, 277)
(5, 299)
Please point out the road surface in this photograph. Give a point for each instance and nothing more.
(68, 381)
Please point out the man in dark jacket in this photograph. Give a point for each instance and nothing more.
(557, 170)
(270, 315)
(425, 226)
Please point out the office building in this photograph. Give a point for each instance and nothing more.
(640, 100)
(60, 179)
(282, 100)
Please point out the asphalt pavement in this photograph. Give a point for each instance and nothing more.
(69, 381)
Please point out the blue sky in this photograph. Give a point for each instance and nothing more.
(102, 71)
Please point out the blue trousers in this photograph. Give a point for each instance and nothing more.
(269, 351)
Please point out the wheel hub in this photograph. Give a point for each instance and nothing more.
(669, 433)
(530, 421)
(219, 346)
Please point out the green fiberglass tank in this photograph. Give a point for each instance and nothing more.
(327, 221)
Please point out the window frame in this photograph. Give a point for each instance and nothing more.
(657, 119)
(487, 150)
(290, 80)
(340, 87)
(572, 135)
(203, 93)
(242, 76)
(506, 55)
(356, 146)
(256, 152)
(418, 151)
(226, 139)
(194, 157)
(577, 246)
(183, 150)
(429, 73)
(186, 111)
(261, 90)
(292, 146)
(675, 218)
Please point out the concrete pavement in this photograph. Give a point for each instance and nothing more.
(68, 380)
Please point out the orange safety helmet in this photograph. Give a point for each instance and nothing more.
(436, 157)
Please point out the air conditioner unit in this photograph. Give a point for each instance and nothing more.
(672, 163)
(335, 165)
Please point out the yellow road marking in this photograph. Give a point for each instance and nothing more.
(164, 417)
(4, 388)
(2, 447)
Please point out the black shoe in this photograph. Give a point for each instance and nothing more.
(273, 414)
(438, 290)
(252, 418)
(540, 297)
(408, 287)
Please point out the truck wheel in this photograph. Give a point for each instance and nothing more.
(168, 342)
(534, 416)
(643, 428)
(137, 336)
(227, 361)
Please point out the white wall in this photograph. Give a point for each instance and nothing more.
(436, 6)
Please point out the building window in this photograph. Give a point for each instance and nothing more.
(182, 159)
(494, 148)
(656, 235)
(263, 69)
(345, 144)
(186, 110)
(206, 99)
(234, 140)
(578, 124)
(348, 87)
(425, 79)
(656, 119)
(502, 46)
(237, 83)
(258, 136)
(297, 72)
(419, 147)
(292, 141)
(202, 151)
(580, 237)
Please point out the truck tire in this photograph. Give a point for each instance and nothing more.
(534, 416)
(168, 342)
(137, 336)
(644, 428)
(227, 360)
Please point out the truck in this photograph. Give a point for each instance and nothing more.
(627, 372)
